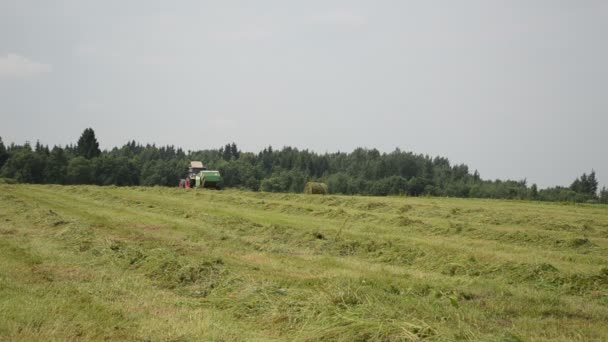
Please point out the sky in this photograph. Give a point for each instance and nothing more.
(514, 89)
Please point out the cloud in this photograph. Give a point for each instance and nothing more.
(223, 123)
(15, 66)
(97, 53)
(341, 18)
(244, 35)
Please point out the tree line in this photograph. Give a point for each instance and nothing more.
(361, 172)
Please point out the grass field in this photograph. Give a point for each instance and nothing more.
(91, 263)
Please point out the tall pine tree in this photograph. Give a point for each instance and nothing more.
(88, 147)
(592, 183)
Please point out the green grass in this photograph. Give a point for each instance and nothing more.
(91, 263)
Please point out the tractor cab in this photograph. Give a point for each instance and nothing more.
(195, 168)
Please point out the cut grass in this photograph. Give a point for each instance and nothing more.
(81, 263)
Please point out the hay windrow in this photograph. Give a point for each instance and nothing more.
(162, 264)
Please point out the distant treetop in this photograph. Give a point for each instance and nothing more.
(88, 147)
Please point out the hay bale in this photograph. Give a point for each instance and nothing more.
(315, 188)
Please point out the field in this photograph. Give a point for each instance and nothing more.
(92, 263)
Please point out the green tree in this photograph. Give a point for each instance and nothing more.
(25, 166)
(458, 188)
(114, 170)
(416, 186)
(586, 186)
(592, 184)
(152, 173)
(393, 185)
(273, 184)
(88, 147)
(339, 183)
(533, 192)
(227, 152)
(286, 181)
(126, 172)
(80, 171)
(234, 151)
(56, 167)
(604, 195)
(240, 173)
(3, 153)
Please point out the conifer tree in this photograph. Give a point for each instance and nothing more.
(88, 147)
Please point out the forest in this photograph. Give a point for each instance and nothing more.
(360, 172)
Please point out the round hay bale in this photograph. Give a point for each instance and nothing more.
(315, 188)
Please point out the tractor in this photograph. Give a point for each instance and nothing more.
(199, 177)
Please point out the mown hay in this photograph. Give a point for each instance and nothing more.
(315, 188)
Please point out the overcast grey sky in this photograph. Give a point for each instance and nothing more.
(515, 89)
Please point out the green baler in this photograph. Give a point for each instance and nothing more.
(208, 179)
